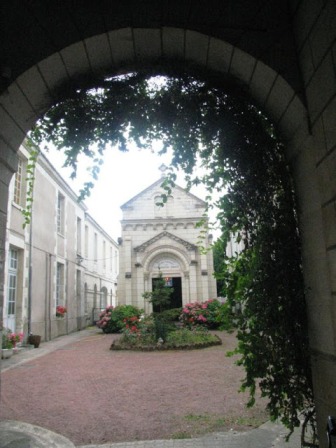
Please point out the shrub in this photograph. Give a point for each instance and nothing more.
(225, 318)
(171, 315)
(211, 314)
(138, 332)
(112, 320)
(161, 328)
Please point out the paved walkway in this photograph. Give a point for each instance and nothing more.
(22, 435)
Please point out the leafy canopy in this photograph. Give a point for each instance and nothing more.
(215, 120)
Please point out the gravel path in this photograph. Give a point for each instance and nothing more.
(91, 394)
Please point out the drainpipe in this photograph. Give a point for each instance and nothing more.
(30, 269)
(46, 299)
(67, 296)
(30, 273)
(49, 297)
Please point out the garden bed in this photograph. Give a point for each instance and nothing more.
(212, 340)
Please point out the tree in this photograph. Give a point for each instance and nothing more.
(160, 297)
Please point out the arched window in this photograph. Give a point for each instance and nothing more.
(165, 262)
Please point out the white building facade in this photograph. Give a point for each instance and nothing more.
(62, 258)
(165, 240)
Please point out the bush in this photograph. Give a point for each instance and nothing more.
(112, 320)
(184, 336)
(171, 315)
(211, 314)
(138, 331)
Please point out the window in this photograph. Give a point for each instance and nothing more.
(79, 236)
(60, 284)
(60, 213)
(12, 281)
(18, 184)
(86, 248)
(111, 259)
(86, 303)
(104, 254)
(95, 247)
(116, 262)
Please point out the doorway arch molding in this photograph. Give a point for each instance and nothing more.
(150, 257)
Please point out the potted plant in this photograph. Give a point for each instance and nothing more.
(16, 338)
(7, 344)
(34, 339)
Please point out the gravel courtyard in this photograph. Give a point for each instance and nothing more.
(91, 394)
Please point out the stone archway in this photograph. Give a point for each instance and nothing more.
(171, 265)
(292, 79)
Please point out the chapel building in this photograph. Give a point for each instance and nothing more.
(165, 240)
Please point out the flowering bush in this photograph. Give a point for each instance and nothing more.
(138, 331)
(211, 313)
(9, 339)
(112, 319)
(15, 338)
(60, 311)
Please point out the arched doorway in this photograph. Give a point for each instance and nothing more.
(170, 269)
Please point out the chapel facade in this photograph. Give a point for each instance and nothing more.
(164, 240)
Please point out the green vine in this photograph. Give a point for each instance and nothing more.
(215, 121)
(30, 181)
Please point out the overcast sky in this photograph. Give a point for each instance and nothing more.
(122, 176)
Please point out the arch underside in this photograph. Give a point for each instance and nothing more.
(128, 49)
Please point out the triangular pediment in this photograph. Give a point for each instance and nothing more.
(157, 186)
(162, 235)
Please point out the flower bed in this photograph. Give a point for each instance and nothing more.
(183, 339)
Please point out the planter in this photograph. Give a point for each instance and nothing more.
(7, 353)
(34, 339)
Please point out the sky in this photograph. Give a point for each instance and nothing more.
(122, 176)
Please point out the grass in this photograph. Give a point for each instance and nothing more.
(196, 425)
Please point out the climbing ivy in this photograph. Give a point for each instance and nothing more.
(30, 180)
(215, 121)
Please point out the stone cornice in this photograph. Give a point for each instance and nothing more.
(163, 224)
(161, 235)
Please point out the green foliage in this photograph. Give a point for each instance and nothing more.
(160, 297)
(210, 314)
(138, 332)
(219, 257)
(184, 336)
(6, 338)
(171, 315)
(112, 320)
(161, 329)
(145, 338)
(215, 120)
(30, 180)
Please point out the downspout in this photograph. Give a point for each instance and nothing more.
(31, 183)
(67, 296)
(49, 297)
(30, 273)
(46, 298)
